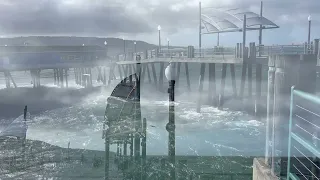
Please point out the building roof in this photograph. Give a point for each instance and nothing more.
(219, 20)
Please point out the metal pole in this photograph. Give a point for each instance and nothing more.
(159, 41)
(200, 28)
(135, 48)
(260, 30)
(218, 43)
(171, 130)
(309, 32)
(137, 125)
(107, 149)
(244, 29)
(144, 150)
(168, 48)
(124, 49)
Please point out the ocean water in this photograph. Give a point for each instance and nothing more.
(211, 132)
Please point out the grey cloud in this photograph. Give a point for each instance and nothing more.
(108, 17)
(30, 17)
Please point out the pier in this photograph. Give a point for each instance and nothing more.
(291, 72)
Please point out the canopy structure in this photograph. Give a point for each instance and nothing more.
(220, 20)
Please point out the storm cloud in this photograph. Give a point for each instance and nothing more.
(113, 17)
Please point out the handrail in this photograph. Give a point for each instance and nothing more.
(303, 143)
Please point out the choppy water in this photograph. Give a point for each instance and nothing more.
(211, 132)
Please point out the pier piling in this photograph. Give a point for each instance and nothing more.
(187, 76)
(200, 89)
(212, 85)
(233, 79)
(223, 81)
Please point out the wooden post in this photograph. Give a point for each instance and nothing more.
(148, 71)
(212, 84)
(75, 75)
(144, 67)
(90, 76)
(110, 75)
(258, 88)
(83, 80)
(178, 74)
(105, 76)
(13, 82)
(238, 50)
(125, 72)
(66, 74)
(251, 59)
(39, 77)
(187, 75)
(61, 77)
(202, 71)
(58, 77)
(244, 72)
(130, 72)
(154, 74)
(54, 77)
(161, 76)
(223, 81)
(233, 77)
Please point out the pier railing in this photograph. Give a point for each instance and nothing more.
(222, 52)
(304, 136)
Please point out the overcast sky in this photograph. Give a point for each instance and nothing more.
(138, 19)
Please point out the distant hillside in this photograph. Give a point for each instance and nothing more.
(115, 45)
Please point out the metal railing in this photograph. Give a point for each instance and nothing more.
(285, 49)
(304, 142)
(221, 52)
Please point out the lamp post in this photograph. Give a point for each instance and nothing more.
(168, 40)
(135, 47)
(106, 45)
(124, 48)
(159, 30)
(170, 73)
(309, 30)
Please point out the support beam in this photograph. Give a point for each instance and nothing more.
(154, 74)
(161, 74)
(61, 77)
(252, 59)
(90, 76)
(104, 76)
(55, 77)
(244, 72)
(110, 74)
(120, 72)
(223, 81)
(233, 78)
(144, 68)
(212, 84)
(66, 74)
(178, 74)
(13, 82)
(148, 71)
(187, 75)
(58, 77)
(258, 89)
(202, 71)
(130, 72)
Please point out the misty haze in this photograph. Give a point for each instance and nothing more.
(154, 90)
